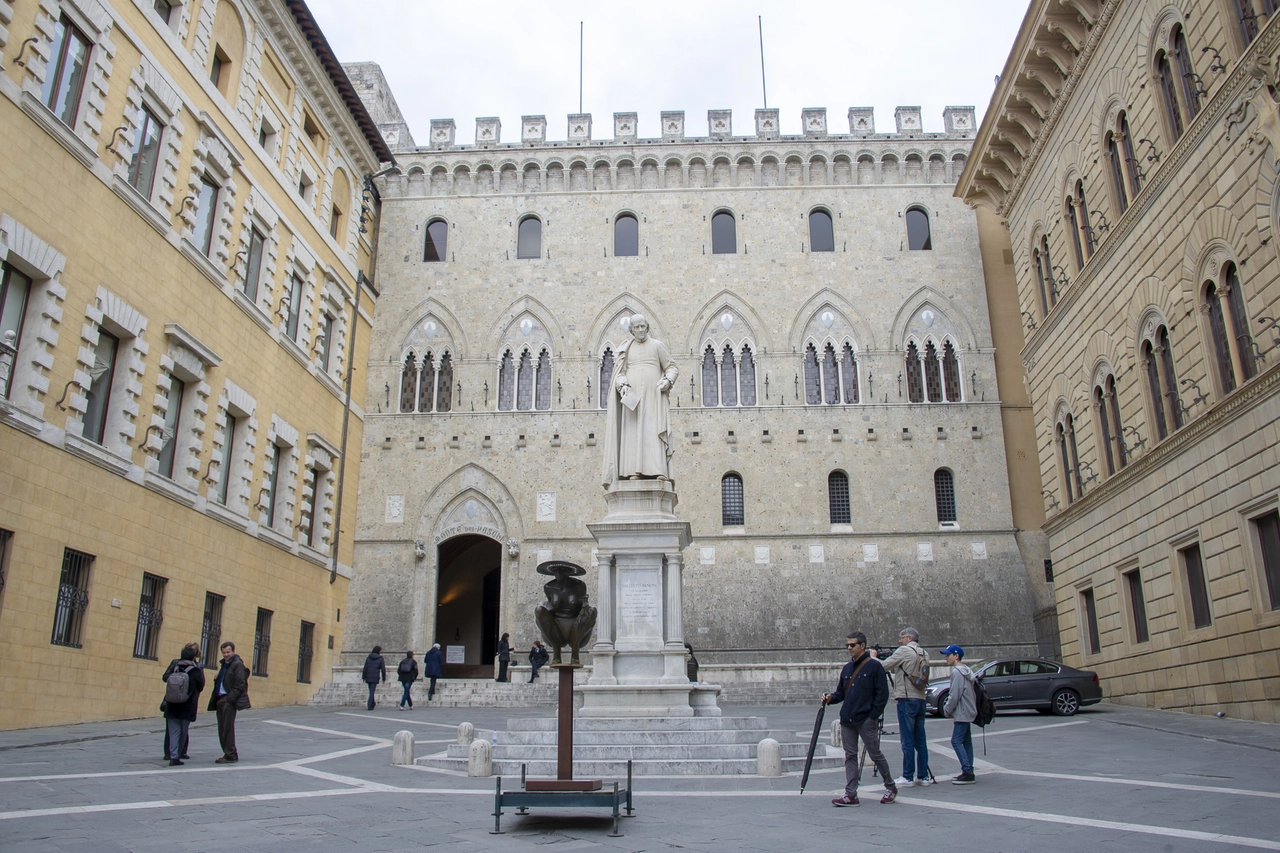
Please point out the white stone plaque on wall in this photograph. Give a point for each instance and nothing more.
(762, 555)
(455, 654)
(979, 550)
(546, 506)
(817, 554)
(395, 509)
(924, 552)
(871, 553)
(707, 556)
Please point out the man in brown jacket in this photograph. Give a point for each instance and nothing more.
(230, 694)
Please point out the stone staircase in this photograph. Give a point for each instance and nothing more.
(670, 746)
(450, 693)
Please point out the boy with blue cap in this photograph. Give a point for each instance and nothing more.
(962, 708)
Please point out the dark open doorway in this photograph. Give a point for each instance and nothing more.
(468, 598)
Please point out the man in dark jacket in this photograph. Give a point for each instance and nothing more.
(407, 672)
(178, 716)
(375, 670)
(863, 690)
(504, 656)
(230, 695)
(432, 668)
(538, 658)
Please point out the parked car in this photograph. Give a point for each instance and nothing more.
(1047, 686)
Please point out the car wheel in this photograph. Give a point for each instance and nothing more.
(942, 703)
(1066, 703)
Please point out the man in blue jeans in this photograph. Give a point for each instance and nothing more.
(908, 666)
(962, 707)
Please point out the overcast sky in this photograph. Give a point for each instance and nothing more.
(505, 58)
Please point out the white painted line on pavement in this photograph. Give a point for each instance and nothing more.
(1147, 783)
(166, 804)
(166, 771)
(381, 740)
(299, 762)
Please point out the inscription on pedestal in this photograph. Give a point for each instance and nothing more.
(640, 604)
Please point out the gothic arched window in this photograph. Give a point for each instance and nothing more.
(951, 373)
(408, 384)
(542, 382)
(849, 375)
(915, 375)
(524, 382)
(932, 373)
(427, 384)
(747, 378)
(506, 383)
(812, 377)
(728, 378)
(444, 394)
(606, 377)
(710, 378)
(830, 376)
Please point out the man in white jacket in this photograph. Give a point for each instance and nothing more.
(909, 664)
(962, 708)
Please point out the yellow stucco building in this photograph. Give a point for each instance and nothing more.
(187, 248)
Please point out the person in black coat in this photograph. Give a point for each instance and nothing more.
(862, 693)
(407, 672)
(178, 716)
(230, 695)
(375, 670)
(538, 658)
(504, 656)
(432, 668)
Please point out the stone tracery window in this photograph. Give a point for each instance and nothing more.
(728, 378)
(606, 377)
(747, 378)
(932, 373)
(506, 382)
(915, 374)
(951, 373)
(710, 379)
(832, 378)
(427, 383)
(524, 382)
(542, 382)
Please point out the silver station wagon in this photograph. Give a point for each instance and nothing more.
(1032, 683)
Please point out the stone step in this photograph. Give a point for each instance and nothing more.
(638, 738)
(621, 752)
(450, 693)
(640, 724)
(617, 770)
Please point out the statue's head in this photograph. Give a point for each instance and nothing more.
(639, 327)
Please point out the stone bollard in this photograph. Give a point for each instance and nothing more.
(836, 740)
(769, 758)
(402, 748)
(466, 734)
(480, 758)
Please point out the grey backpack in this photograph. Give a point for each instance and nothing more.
(178, 684)
(921, 680)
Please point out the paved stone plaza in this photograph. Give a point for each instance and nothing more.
(315, 780)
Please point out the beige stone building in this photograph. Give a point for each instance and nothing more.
(185, 287)
(841, 429)
(1131, 148)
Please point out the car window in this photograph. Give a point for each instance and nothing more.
(1035, 667)
(1000, 669)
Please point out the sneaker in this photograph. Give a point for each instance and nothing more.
(890, 795)
(964, 779)
(846, 800)
(903, 782)
(924, 781)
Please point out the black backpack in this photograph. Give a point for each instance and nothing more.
(406, 666)
(986, 708)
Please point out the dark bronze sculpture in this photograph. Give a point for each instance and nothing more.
(565, 618)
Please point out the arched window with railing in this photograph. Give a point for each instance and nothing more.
(944, 495)
(1110, 427)
(732, 511)
(838, 498)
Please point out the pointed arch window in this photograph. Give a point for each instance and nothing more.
(831, 379)
(437, 241)
(830, 375)
(812, 376)
(542, 382)
(444, 396)
(747, 378)
(915, 374)
(821, 235)
(408, 383)
(606, 377)
(951, 373)
(838, 498)
(849, 374)
(932, 373)
(944, 494)
(728, 378)
(524, 382)
(427, 384)
(710, 378)
(732, 513)
(506, 382)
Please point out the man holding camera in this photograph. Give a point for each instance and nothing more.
(910, 663)
(863, 690)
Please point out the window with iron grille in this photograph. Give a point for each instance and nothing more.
(731, 509)
(211, 629)
(261, 642)
(944, 493)
(1197, 586)
(73, 598)
(6, 536)
(1137, 606)
(150, 614)
(305, 641)
(838, 497)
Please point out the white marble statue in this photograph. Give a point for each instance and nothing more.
(637, 442)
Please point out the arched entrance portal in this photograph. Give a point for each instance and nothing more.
(467, 597)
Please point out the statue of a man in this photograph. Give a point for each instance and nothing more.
(638, 433)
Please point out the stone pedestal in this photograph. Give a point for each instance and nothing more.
(638, 658)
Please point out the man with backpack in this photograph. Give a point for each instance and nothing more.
(909, 666)
(407, 671)
(184, 679)
(962, 708)
(863, 690)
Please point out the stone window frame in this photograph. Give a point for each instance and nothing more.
(150, 86)
(177, 24)
(542, 237)
(1122, 167)
(838, 345)
(625, 213)
(333, 304)
(1042, 261)
(29, 381)
(831, 217)
(738, 346)
(1067, 452)
(1108, 423)
(1132, 635)
(1182, 583)
(261, 214)
(94, 20)
(110, 312)
(301, 261)
(188, 360)
(1259, 590)
(939, 343)
(1086, 628)
(213, 156)
(437, 357)
(928, 222)
(734, 217)
(1213, 271)
(1170, 411)
(321, 459)
(836, 501)
(1076, 215)
(235, 462)
(280, 434)
(939, 498)
(728, 521)
(426, 235)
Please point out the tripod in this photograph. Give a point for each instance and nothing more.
(862, 752)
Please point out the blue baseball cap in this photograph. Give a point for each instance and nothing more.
(953, 649)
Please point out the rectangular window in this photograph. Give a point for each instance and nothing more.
(228, 448)
(15, 289)
(326, 342)
(146, 640)
(206, 214)
(1048, 571)
(211, 629)
(65, 72)
(1090, 612)
(146, 152)
(73, 598)
(218, 67)
(261, 642)
(1197, 586)
(294, 307)
(1267, 529)
(6, 536)
(164, 10)
(1137, 606)
(253, 270)
(313, 504)
(305, 642)
(101, 376)
(335, 220)
(172, 415)
(273, 485)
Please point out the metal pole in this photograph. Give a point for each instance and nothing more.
(564, 739)
(764, 89)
